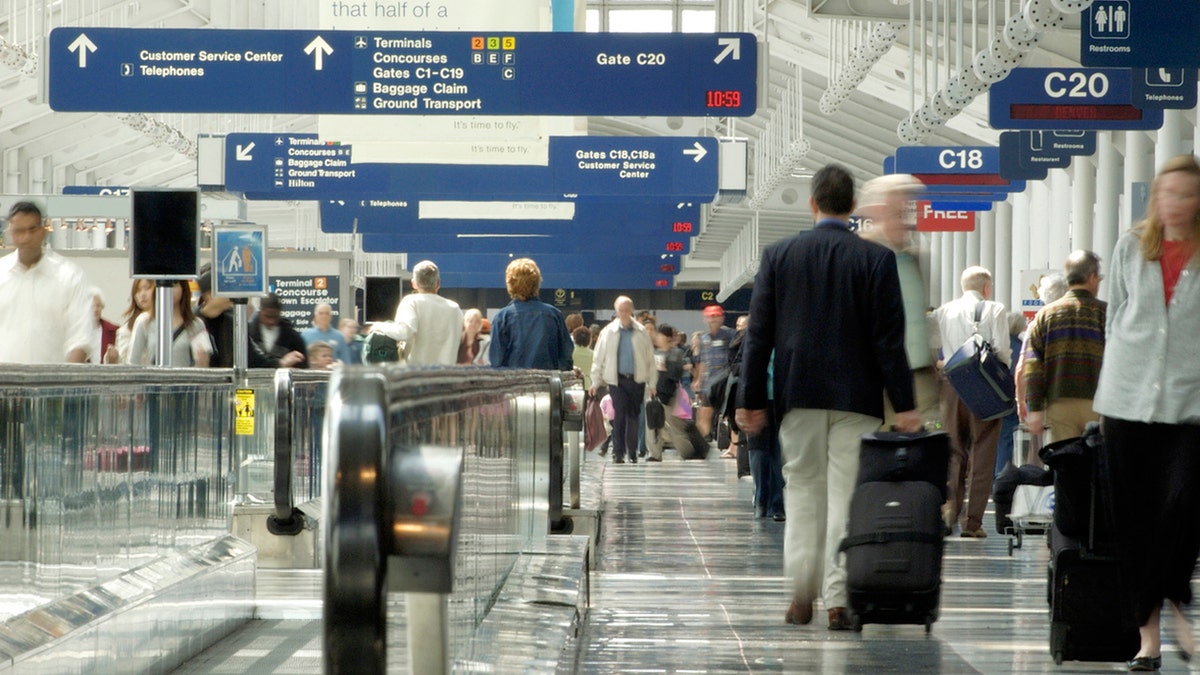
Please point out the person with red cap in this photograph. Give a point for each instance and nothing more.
(714, 364)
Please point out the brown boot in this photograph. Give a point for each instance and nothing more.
(839, 619)
(800, 613)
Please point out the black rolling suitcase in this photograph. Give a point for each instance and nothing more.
(893, 553)
(894, 536)
(1090, 619)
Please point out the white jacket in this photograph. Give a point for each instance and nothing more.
(604, 362)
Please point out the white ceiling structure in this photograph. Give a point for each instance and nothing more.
(804, 42)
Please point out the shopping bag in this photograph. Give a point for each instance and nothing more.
(683, 405)
(593, 424)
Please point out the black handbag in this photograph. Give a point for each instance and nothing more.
(656, 417)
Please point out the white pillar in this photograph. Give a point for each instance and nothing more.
(985, 227)
(1039, 224)
(1083, 202)
(1021, 224)
(960, 250)
(931, 268)
(1168, 140)
(972, 237)
(1060, 218)
(1139, 157)
(1108, 191)
(949, 274)
(1002, 272)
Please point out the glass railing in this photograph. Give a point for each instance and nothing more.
(385, 428)
(104, 468)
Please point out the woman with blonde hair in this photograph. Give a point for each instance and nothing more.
(528, 333)
(1149, 401)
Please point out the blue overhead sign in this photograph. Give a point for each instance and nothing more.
(1068, 98)
(1164, 88)
(1011, 166)
(590, 218)
(408, 73)
(301, 166)
(1146, 34)
(947, 160)
(525, 244)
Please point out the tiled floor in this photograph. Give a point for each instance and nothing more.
(689, 582)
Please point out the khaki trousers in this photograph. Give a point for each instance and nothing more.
(820, 468)
(1067, 417)
(927, 390)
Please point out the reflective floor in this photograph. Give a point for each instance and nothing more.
(689, 582)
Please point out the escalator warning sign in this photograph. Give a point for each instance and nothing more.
(243, 412)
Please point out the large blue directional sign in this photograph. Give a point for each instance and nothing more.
(600, 264)
(300, 166)
(523, 243)
(461, 277)
(591, 218)
(1164, 88)
(1145, 34)
(416, 73)
(1068, 98)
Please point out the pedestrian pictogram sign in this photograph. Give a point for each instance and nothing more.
(243, 412)
(239, 262)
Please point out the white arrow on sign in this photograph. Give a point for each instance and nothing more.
(242, 154)
(82, 45)
(318, 48)
(732, 47)
(699, 152)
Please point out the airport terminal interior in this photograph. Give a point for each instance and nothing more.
(384, 518)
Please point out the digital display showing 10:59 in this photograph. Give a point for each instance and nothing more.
(723, 99)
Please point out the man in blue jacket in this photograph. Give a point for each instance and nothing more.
(828, 303)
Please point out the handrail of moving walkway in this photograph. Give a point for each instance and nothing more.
(376, 519)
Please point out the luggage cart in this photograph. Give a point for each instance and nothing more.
(1033, 505)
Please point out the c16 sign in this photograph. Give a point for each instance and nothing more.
(401, 73)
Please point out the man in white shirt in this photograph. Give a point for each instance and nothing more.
(972, 440)
(46, 313)
(429, 326)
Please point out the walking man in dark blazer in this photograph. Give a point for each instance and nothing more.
(828, 304)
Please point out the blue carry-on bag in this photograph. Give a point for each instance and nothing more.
(980, 378)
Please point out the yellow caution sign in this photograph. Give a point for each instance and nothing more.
(243, 412)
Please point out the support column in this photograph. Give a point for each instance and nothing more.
(931, 268)
(1060, 218)
(1108, 192)
(950, 275)
(1002, 272)
(1139, 158)
(972, 237)
(960, 251)
(985, 227)
(1168, 140)
(1021, 226)
(1083, 202)
(1040, 206)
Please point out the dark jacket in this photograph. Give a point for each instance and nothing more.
(828, 302)
(530, 334)
(289, 340)
(220, 329)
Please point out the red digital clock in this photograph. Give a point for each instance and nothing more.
(681, 226)
(662, 283)
(723, 99)
(674, 246)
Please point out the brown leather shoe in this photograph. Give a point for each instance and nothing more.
(839, 619)
(800, 613)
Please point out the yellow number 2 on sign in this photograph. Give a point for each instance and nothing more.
(243, 412)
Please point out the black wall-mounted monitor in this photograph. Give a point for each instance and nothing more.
(381, 297)
(164, 233)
